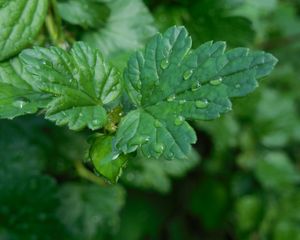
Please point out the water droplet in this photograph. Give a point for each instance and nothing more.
(159, 148)
(164, 63)
(171, 98)
(95, 122)
(179, 120)
(170, 155)
(158, 124)
(44, 62)
(182, 101)
(115, 156)
(216, 82)
(80, 114)
(141, 139)
(237, 85)
(196, 86)
(19, 103)
(187, 74)
(201, 103)
(139, 85)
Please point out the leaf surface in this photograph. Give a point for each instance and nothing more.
(129, 25)
(20, 22)
(80, 82)
(169, 84)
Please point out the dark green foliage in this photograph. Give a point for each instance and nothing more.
(146, 107)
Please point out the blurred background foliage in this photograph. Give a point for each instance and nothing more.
(242, 179)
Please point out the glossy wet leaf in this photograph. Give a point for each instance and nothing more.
(20, 22)
(17, 97)
(170, 84)
(80, 82)
(104, 161)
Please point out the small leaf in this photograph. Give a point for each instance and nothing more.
(20, 21)
(80, 83)
(157, 82)
(105, 162)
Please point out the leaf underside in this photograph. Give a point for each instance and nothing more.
(170, 84)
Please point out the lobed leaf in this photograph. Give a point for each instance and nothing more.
(80, 82)
(170, 84)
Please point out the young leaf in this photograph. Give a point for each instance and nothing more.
(80, 82)
(20, 21)
(102, 157)
(17, 97)
(170, 84)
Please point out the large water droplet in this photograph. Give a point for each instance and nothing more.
(171, 98)
(20, 103)
(95, 122)
(115, 156)
(182, 101)
(187, 74)
(196, 86)
(179, 120)
(237, 85)
(216, 82)
(159, 147)
(164, 63)
(202, 103)
(141, 139)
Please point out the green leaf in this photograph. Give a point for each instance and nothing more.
(88, 211)
(21, 21)
(80, 82)
(157, 174)
(170, 84)
(127, 28)
(17, 97)
(102, 157)
(85, 13)
(276, 171)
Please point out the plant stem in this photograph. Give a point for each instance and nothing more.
(85, 173)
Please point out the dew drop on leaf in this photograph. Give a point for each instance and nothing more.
(164, 63)
(182, 101)
(159, 147)
(202, 103)
(237, 85)
(20, 103)
(187, 74)
(196, 86)
(216, 82)
(171, 98)
(179, 120)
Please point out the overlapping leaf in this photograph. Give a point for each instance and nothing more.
(20, 22)
(169, 84)
(80, 82)
(129, 25)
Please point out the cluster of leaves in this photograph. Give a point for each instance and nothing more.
(148, 108)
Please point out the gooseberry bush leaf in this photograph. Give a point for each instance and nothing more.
(20, 22)
(80, 83)
(170, 84)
